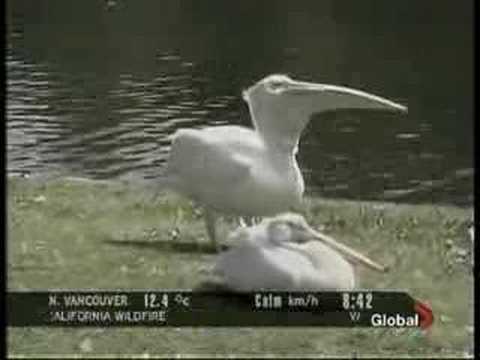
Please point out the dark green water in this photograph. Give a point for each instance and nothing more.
(96, 88)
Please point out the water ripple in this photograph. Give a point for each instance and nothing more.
(55, 122)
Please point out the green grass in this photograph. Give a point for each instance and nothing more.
(79, 236)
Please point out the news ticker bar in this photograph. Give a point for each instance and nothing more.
(187, 308)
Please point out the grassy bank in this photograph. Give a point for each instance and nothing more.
(66, 235)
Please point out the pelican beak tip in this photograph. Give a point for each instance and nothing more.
(386, 269)
(396, 107)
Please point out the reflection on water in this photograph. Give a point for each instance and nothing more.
(48, 126)
(72, 114)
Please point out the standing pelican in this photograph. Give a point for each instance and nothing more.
(253, 172)
(278, 254)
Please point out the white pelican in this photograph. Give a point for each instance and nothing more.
(278, 254)
(471, 232)
(253, 172)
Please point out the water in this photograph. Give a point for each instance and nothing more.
(97, 88)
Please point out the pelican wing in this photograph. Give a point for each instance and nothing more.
(329, 270)
(248, 268)
(200, 164)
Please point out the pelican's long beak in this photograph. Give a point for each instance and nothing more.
(332, 97)
(347, 251)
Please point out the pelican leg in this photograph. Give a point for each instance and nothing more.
(210, 222)
(242, 221)
(249, 220)
(253, 220)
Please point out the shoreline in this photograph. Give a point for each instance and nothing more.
(144, 184)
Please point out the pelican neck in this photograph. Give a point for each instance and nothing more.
(284, 147)
(283, 143)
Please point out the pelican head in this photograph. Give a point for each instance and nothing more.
(281, 107)
(281, 230)
(289, 229)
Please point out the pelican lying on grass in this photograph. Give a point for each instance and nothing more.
(280, 254)
(253, 172)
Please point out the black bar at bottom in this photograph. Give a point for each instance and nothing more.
(185, 308)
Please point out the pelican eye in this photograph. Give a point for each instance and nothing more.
(295, 225)
(275, 86)
(279, 232)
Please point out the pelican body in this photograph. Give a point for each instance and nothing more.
(232, 170)
(253, 172)
(280, 254)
